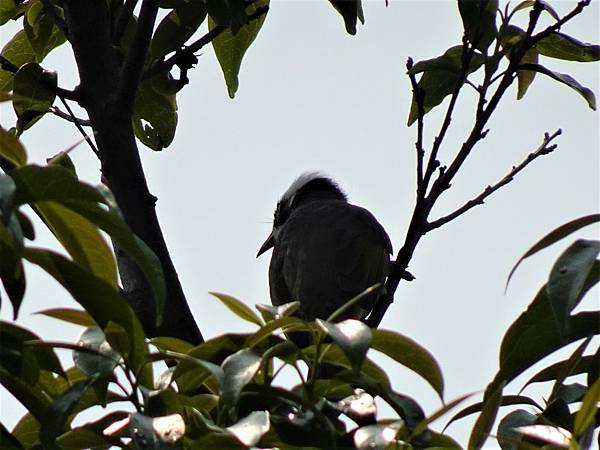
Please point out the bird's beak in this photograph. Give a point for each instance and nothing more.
(269, 243)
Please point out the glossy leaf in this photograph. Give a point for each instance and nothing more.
(238, 371)
(102, 362)
(177, 27)
(561, 46)
(485, 421)
(34, 90)
(479, 21)
(568, 80)
(251, 428)
(589, 408)
(239, 308)
(230, 49)
(11, 148)
(350, 10)
(75, 316)
(440, 78)
(376, 437)
(59, 411)
(353, 337)
(508, 436)
(18, 51)
(270, 312)
(569, 274)
(100, 300)
(555, 236)
(359, 404)
(411, 355)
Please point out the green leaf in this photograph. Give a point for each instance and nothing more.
(283, 323)
(18, 51)
(350, 10)
(526, 77)
(35, 400)
(117, 337)
(9, 442)
(81, 239)
(41, 31)
(238, 371)
(177, 27)
(485, 421)
(230, 48)
(440, 78)
(102, 360)
(530, 3)
(411, 355)
(82, 438)
(35, 90)
(251, 428)
(11, 148)
(569, 274)
(154, 116)
(27, 431)
(101, 301)
(585, 92)
(238, 308)
(561, 46)
(59, 411)
(507, 400)
(353, 337)
(70, 315)
(508, 435)
(8, 10)
(269, 312)
(479, 21)
(170, 343)
(589, 408)
(555, 236)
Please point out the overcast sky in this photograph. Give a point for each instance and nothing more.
(312, 97)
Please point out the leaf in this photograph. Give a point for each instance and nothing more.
(508, 436)
(8, 10)
(507, 400)
(485, 421)
(440, 78)
(230, 48)
(11, 148)
(568, 276)
(9, 442)
(561, 46)
(251, 428)
(35, 90)
(177, 27)
(154, 117)
(555, 236)
(376, 437)
(353, 337)
(81, 239)
(101, 301)
(59, 411)
(283, 323)
(552, 372)
(41, 30)
(589, 408)
(238, 371)
(116, 337)
(411, 355)
(102, 362)
(238, 308)
(78, 317)
(585, 92)
(172, 344)
(526, 77)
(18, 51)
(82, 438)
(530, 3)
(422, 426)
(270, 312)
(350, 10)
(479, 21)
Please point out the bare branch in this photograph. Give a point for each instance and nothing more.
(543, 149)
(419, 99)
(63, 115)
(122, 20)
(134, 62)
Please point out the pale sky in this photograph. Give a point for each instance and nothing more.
(312, 97)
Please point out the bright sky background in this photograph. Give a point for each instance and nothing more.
(312, 97)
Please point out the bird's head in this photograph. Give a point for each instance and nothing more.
(309, 186)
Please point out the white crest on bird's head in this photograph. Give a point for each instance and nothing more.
(308, 186)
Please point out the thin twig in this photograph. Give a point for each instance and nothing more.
(134, 61)
(88, 139)
(543, 149)
(181, 55)
(63, 115)
(419, 100)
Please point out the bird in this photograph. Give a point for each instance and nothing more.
(325, 250)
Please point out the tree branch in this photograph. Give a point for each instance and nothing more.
(122, 20)
(134, 62)
(543, 149)
(63, 115)
(419, 99)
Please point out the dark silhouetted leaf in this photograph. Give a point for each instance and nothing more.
(177, 27)
(507, 400)
(485, 421)
(34, 91)
(104, 361)
(350, 10)
(411, 355)
(508, 436)
(479, 21)
(154, 116)
(9, 442)
(589, 408)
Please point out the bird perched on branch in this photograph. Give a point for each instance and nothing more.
(325, 250)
